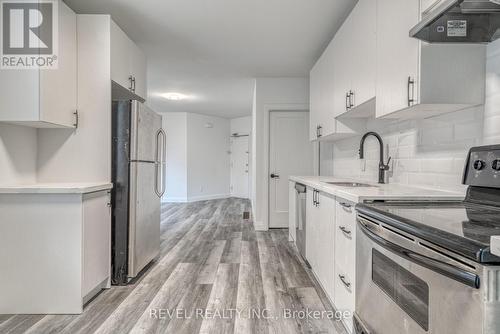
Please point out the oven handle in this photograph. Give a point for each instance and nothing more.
(448, 270)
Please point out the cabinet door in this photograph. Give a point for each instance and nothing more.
(311, 228)
(315, 87)
(292, 211)
(322, 94)
(120, 56)
(397, 54)
(326, 243)
(58, 88)
(342, 71)
(19, 95)
(363, 45)
(327, 117)
(96, 240)
(138, 69)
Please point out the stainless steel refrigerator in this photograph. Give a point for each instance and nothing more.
(138, 173)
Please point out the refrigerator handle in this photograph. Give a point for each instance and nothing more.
(160, 162)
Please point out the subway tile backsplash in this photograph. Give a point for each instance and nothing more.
(427, 152)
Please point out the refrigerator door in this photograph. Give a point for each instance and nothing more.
(144, 219)
(144, 126)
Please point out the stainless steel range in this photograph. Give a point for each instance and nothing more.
(426, 267)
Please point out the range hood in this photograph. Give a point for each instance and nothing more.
(459, 21)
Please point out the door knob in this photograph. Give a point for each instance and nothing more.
(275, 176)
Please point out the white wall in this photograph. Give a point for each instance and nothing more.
(175, 126)
(207, 157)
(428, 152)
(197, 157)
(17, 154)
(241, 125)
(270, 94)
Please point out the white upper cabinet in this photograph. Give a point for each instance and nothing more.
(355, 59)
(128, 62)
(416, 79)
(344, 76)
(343, 65)
(44, 98)
(322, 121)
(138, 70)
(361, 49)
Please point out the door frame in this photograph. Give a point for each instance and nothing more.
(268, 108)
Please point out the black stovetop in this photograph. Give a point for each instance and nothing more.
(461, 227)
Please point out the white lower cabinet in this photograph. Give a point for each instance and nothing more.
(320, 235)
(63, 241)
(331, 248)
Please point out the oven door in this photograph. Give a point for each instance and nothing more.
(406, 286)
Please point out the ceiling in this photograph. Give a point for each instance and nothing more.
(210, 50)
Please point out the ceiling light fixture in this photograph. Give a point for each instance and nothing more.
(174, 96)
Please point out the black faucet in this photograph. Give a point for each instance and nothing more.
(382, 168)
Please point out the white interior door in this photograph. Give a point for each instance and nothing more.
(290, 153)
(239, 167)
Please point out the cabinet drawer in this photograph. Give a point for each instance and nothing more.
(344, 295)
(345, 237)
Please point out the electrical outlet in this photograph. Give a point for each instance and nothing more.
(362, 165)
(201, 189)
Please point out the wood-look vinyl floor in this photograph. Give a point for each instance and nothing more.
(215, 274)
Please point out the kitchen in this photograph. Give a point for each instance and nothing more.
(215, 178)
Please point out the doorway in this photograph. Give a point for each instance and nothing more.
(239, 166)
(290, 153)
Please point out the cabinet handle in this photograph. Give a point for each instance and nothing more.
(347, 101)
(345, 205)
(411, 91)
(343, 280)
(130, 79)
(76, 119)
(133, 84)
(351, 99)
(319, 131)
(345, 230)
(315, 198)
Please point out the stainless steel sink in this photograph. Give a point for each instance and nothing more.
(350, 184)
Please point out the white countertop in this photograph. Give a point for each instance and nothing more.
(54, 188)
(379, 191)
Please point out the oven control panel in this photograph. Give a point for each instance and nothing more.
(483, 167)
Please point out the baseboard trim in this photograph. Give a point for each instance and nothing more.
(174, 200)
(207, 197)
(260, 226)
